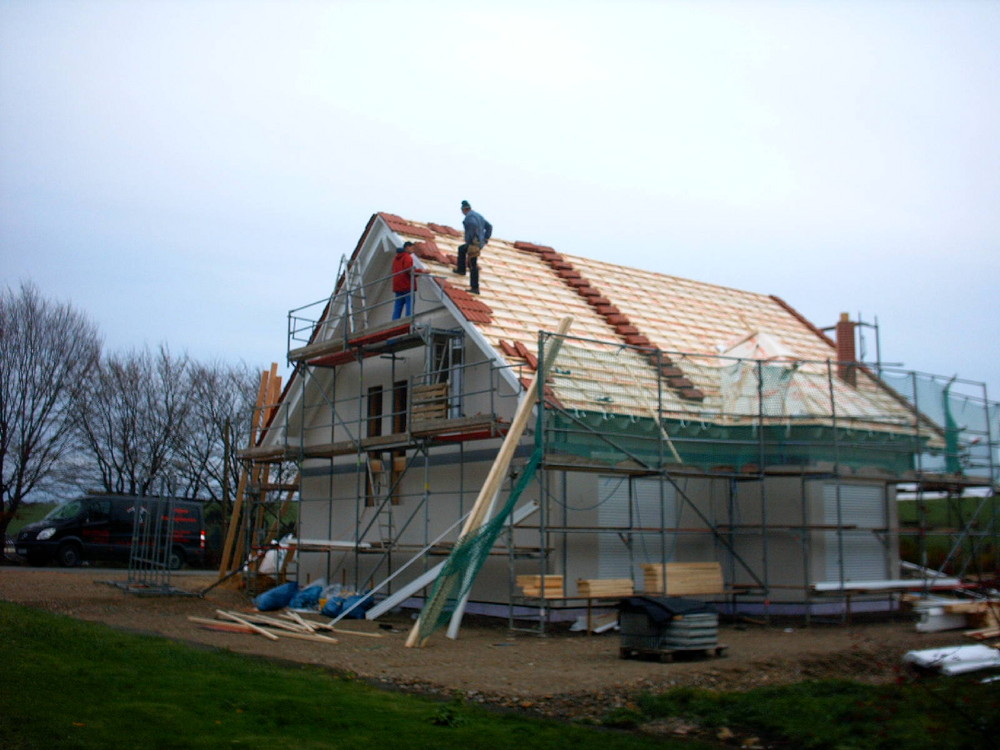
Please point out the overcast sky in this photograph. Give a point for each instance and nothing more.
(187, 172)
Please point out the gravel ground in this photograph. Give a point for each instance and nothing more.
(563, 675)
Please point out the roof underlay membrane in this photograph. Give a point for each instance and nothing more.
(703, 373)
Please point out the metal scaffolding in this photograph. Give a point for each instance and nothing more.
(707, 475)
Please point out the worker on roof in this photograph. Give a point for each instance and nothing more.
(402, 281)
(477, 233)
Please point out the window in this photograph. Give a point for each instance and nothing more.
(99, 510)
(374, 429)
(446, 357)
(399, 395)
(375, 411)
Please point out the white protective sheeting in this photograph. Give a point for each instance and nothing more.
(952, 660)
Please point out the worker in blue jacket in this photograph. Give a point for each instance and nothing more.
(477, 233)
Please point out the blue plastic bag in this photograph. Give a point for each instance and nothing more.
(277, 598)
(358, 613)
(307, 598)
(333, 606)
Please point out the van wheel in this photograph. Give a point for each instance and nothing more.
(176, 559)
(69, 555)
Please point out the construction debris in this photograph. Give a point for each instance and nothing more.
(289, 624)
(979, 617)
(954, 660)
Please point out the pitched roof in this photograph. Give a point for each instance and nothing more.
(702, 337)
(529, 286)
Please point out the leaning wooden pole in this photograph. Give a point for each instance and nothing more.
(491, 486)
(229, 561)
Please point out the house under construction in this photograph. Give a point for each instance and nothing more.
(677, 421)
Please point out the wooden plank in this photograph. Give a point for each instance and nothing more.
(427, 427)
(256, 628)
(272, 397)
(536, 580)
(259, 619)
(429, 411)
(605, 587)
(421, 392)
(437, 403)
(293, 615)
(310, 637)
(532, 586)
(299, 635)
(684, 579)
(228, 563)
(222, 627)
(542, 586)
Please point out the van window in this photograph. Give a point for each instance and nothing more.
(66, 511)
(99, 510)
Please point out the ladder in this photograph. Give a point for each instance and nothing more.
(355, 301)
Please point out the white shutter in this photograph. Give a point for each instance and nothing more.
(864, 553)
(615, 560)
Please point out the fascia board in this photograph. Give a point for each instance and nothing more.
(378, 235)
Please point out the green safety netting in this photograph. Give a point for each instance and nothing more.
(467, 558)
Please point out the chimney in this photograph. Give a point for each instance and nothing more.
(846, 354)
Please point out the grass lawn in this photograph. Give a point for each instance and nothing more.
(29, 513)
(958, 713)
(72, 684)
(944, 520)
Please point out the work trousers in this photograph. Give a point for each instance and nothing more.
(468, 255)
(404, 301)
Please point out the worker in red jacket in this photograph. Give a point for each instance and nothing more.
(402, 281)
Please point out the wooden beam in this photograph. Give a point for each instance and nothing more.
(255, 628)
(229, 561)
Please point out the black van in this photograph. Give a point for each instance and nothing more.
(101, 527)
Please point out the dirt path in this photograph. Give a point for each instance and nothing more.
(566, 674)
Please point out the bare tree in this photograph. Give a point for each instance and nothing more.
(223, 399)
(132, 419)
(47, 351)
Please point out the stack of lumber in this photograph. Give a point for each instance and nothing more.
(605, 588)
(532, 586)
(429, 402)
(683, 579)
(983, 615)
(288, 625)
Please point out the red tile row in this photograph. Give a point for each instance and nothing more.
(470, 305)
(614, 317)
(446, 230)
(402, 226)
